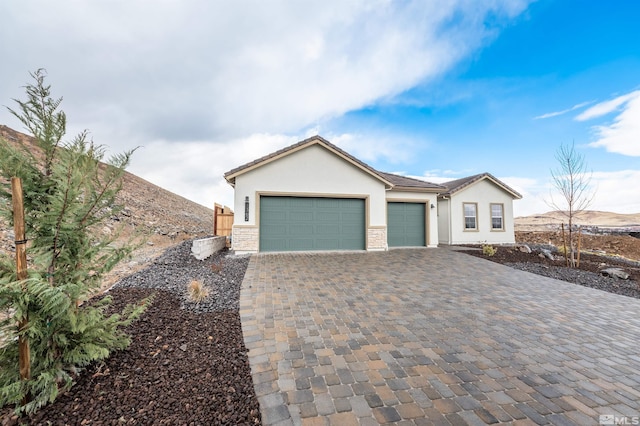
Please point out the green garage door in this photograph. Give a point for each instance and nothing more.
(406, 222)
(304, 223)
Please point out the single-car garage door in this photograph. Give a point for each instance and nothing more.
(307, 223)
(406, 224)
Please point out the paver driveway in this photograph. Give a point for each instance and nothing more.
(432, 336)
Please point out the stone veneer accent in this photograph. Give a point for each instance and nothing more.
(245, 238)
(377, 238)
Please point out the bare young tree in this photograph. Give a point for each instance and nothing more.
(573, 183)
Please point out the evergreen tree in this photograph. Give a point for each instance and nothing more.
(68, 194)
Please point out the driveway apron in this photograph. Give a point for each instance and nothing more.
(432, 336)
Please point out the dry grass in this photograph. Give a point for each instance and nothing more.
(197, 291)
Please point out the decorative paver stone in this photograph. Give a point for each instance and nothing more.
(432, 336)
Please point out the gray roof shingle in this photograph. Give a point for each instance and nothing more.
(409, 182)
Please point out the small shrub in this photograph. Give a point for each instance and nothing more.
(488, 250)
(197, 291)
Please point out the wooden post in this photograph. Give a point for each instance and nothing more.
(21, 266)
(564, 245)
(215, 219)
(579, 240)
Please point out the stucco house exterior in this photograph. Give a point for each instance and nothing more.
(314, 196)
(476, 209)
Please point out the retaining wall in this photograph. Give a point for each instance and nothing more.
(205, 247)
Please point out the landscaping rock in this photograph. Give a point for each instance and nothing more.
(615, 273)
(547, 253)
(524, 248)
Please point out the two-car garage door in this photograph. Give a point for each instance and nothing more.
(313, 223)
(310, 223)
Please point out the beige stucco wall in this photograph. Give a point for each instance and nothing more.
(428, 199)
(444, 236)
(484, 193)
(315, 172)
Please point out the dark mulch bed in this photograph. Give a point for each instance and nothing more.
(184, 366)
(588, 274)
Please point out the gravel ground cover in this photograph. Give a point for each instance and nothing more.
(588, 274)
(187, 364)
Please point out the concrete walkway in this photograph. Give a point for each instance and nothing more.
(431, 336)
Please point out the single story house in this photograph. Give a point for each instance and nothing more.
(314, 196)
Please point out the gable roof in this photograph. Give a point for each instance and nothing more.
(231, 175)
(390, 180)
(454, 186)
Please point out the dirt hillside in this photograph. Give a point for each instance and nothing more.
(551, 220)
(614, 245)
(545, 229)
(163, 217)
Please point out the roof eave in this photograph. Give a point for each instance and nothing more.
(416, 189)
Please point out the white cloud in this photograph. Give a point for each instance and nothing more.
(163, 74)
(534, 195)
(613, 192)
(195, 169)
(197, 69)
(617, 191)
(564, 111)
(371, 148)
(439, 175)
(623, 135)
(607, 107)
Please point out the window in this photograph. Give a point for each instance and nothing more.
(497, 217)
(470, 216)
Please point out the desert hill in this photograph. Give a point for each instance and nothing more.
(164, 217)
(553, 219)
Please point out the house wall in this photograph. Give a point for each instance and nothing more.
(313, 171)
(484, 193)
(443, 222)
(432, 218)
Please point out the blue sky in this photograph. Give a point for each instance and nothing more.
(431, 89)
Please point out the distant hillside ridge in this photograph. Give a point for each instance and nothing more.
(592, 218)
(164, 217)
